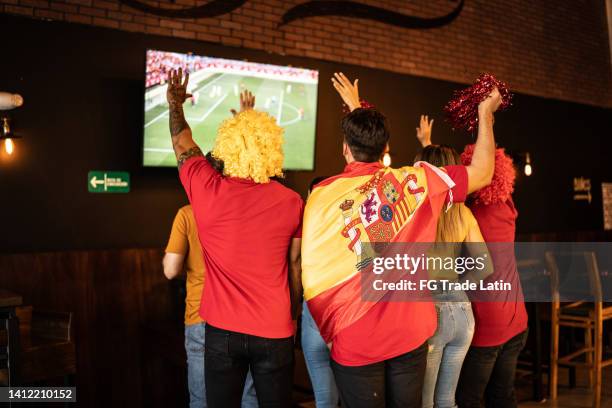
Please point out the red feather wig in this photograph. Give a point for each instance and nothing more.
(502, 185)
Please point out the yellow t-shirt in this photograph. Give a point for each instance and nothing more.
(184, 240)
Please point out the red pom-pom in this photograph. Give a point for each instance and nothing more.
(502, 184)
(462, 110)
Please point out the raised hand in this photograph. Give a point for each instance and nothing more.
(423, 132)
(247, 102)
(176, 94)
(349, 92)
(491, 103)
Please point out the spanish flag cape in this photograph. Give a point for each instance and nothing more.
(367, 203)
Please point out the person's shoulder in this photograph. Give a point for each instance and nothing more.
(405, 168)
(285, 192)
(408, 170)
(186, 213)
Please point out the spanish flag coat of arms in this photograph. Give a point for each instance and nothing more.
(367, 203)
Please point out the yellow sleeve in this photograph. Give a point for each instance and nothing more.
(472, 228)
(178, 242)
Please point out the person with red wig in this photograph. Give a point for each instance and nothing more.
(501, 318)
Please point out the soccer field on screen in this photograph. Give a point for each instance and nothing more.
(293, 104)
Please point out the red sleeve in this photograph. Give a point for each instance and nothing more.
(298, 230)
(459, 175)
(196, 173)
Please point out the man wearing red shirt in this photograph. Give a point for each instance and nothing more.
(379, 359)
(250, 230)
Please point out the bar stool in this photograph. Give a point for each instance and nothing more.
(47, 348)
(588, 316)
(9, 347)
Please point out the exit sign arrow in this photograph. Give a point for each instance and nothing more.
(108, 182)
(95, 182)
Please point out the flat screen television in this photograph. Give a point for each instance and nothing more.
(287, 93)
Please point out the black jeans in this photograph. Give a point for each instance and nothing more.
(397, 382)
(229, 355)
(489, 372)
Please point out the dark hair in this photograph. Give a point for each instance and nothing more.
(315, 181)
(366, 134)
(217, 164)
(439, 155)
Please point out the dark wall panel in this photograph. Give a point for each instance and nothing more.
(83, 111)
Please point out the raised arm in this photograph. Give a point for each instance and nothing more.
(480, 170)
(182, 139)
(349, 92)
(423, 132)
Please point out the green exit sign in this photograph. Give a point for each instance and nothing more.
(108, 182)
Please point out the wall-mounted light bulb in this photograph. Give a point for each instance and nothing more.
(386, 160)
(9, 146)
(528, 169)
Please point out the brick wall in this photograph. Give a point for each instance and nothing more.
(552, 48)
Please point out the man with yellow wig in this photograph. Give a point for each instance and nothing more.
(378, 344)
(250, 230)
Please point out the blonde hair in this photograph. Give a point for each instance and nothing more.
(251, 146)
(451, 226)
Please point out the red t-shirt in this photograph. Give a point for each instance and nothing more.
(245, 229)
(498, 321)
(367, 341)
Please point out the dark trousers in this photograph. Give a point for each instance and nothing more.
(397, 382)
(229, 355)
(489, 372)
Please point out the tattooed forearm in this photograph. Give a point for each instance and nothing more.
(177, 121)
(183, 157)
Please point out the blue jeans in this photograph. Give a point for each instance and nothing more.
(317, 359)
(194, 346)
(447, 350)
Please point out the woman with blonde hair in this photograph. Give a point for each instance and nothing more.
(457, 229)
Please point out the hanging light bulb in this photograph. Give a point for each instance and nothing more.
(6, 134)
(528, 169)
(386, 160)
(9, 146)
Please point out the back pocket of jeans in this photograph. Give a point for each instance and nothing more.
(217, 342)
(279, 352)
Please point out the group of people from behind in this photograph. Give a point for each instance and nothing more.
(265, 255)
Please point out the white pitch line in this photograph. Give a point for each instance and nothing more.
(294, 120)
(280, 107)
(211, 82)
(158, 117)
(212, 108)
(158, 150)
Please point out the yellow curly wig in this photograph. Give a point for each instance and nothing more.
(251, 146)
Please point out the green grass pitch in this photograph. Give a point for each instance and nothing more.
(212, 108)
